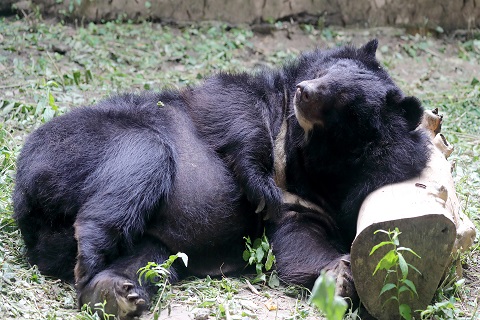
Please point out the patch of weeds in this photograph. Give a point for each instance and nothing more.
(324, 298)
(105, 58)
(158, 274)
(87, 313)
(461, 128)
(469, 50)
(447, 297)
(397, 268)
(217, 298)
(8, 154)
(280, 56)
(446, 309)
(24, 116)
(260, 254)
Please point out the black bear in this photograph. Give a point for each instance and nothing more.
(102, 190)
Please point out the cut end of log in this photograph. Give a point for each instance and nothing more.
(430, 236)
(427, 212)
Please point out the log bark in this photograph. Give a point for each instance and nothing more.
(426, 210)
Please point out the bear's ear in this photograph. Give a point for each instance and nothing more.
(370, 48)
(412, 110)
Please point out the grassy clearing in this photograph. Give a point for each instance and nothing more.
(47, 68)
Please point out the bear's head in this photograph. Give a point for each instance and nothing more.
(347, 92)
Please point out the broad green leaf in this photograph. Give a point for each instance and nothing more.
(395, 240)
(405, 311)
(403, 288)
(381, 244)
(259, 254)
(338, 309)
(258, 268)
(265, 245)
(273, 281)
(257, 243)
(387, 262)
(323, 297)
(403, 265)
(246, 255)
(411, 285)
(386, 287)
(409, 250)
(260, 278)
(48, 114)
(39, 108)
(270, 260)
(414, 268)
(322, 291)
(390, 299)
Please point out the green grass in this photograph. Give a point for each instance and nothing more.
(48, 68)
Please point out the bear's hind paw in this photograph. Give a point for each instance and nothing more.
(341, 271)
(131, 301)
(120, 296)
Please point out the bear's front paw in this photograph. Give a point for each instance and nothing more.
(270, 200)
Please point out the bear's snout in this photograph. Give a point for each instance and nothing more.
(306, 92)
(310, 103)
(311, 93)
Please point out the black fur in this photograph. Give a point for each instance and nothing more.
(129, 174)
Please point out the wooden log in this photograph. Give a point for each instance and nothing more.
(426, 211)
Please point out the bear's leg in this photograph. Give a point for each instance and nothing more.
(118, 286)
(305, 243)
(131, 184)
(253, 165)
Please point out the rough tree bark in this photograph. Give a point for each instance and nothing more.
(427, 212)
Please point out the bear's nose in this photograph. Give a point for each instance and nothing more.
(309, 91)
(306, 92)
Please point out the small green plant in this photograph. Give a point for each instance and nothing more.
(260, 254)
(158, 275)
(446, 299)
(442, 310)
(324, 298)
(393, 262)
(88, 314)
